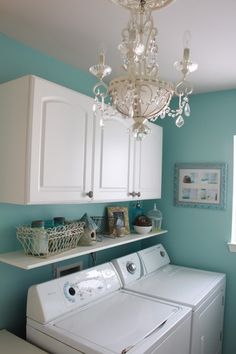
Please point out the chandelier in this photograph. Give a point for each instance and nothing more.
(140, 93)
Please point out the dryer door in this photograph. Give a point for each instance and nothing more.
(208, 326)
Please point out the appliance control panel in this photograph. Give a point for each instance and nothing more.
(128, 267)
(153, 258)
(82, 290)
(48, 300)
(88, 285)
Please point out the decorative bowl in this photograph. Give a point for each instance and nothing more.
(142, 229)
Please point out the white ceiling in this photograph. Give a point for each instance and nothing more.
(74, 30)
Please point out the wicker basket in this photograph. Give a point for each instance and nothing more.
(48, 242)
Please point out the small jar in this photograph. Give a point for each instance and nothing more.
(48, 224)
(37, 224)
(40, 238)
(59, 221)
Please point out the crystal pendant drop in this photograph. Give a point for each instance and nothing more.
(187, 111)
(94, 107)
(163, 114)
(101, 123)
(139, 49)
(179, 122)
(131, 112)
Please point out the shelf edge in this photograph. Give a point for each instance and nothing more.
(20, 260)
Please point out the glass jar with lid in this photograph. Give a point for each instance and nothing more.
(156, 217)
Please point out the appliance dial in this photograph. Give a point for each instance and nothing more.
(69, 292)
(131, 267)
(72, 291)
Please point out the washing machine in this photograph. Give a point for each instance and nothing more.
(149, 272)
(88, 312)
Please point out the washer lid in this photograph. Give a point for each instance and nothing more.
(187, 286)
(117, 322)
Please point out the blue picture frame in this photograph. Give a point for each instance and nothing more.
(200, 185)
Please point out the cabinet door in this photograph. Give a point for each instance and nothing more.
(113, 153)
(148, 164)
(60, 151)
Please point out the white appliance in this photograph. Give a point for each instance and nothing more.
(149, 272)
(88, 312)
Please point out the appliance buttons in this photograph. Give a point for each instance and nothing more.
(71, 291)
(131, 267)
(162, 253)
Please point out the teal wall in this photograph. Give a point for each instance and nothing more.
(196, 237)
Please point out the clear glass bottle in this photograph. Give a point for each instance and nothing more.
(40, 238)
(156, 217)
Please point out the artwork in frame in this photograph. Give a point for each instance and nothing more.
(200, 185)
(118, 221)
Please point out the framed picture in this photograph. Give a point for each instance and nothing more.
(200, 185)
(118, 221)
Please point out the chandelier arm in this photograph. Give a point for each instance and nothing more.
(134, 4)
(148, 22)
(141, 40)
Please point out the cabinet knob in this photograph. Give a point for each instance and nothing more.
(133, 194)
(90, 194)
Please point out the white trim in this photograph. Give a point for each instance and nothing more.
(232, 244)
(232, 247)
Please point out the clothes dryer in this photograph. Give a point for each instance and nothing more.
(149, 272)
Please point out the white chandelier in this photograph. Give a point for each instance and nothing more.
(141, 94)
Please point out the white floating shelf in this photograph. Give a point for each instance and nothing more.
(21, 260)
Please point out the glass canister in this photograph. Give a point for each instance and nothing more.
(156, 217)
(40, 238)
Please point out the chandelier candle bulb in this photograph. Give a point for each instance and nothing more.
(102, 59)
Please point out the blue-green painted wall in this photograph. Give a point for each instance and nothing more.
(198, 237)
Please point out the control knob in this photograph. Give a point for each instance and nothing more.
(72, 291)
(131, 267)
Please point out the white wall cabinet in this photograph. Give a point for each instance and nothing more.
(52, 150)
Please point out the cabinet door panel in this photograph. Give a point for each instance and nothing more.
(112, 160)
(148, 164)
(60, 151)
(63, 146)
